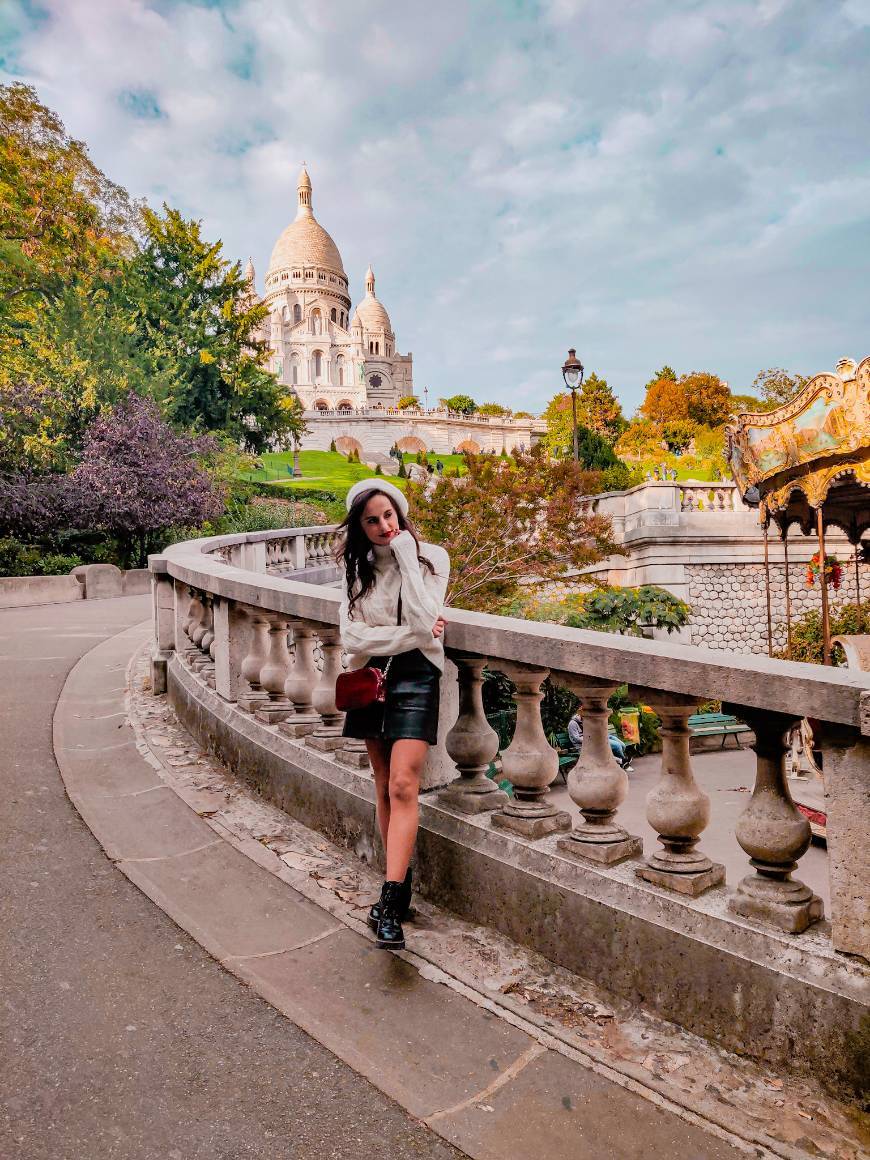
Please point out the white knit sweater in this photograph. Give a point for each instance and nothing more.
(373, 632)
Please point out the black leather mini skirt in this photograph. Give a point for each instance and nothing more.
(410, 710)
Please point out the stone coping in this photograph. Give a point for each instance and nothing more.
(789, 687)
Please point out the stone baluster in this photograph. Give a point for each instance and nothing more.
(256, 657)
(195, 611)
(202, 633)
(597, 783)
(301, 681)
(273, 674)
(472, 744)
(530, 763)
(773, 832)
(676, 808)
(207, 644)
(327, 735)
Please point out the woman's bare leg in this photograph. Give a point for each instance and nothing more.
(406, 764)
(379, 756)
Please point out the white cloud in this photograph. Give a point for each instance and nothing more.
(676, 182)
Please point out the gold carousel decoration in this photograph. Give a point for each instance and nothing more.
(808, 463)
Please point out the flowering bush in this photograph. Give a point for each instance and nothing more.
(833, 571)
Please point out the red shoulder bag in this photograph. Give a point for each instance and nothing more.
(363, 687)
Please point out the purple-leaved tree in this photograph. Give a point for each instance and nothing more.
(138, 477)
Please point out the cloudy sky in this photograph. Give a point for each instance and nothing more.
(651, 181)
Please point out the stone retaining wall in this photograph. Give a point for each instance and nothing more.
(729, 602)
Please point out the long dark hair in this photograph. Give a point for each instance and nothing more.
(355, 549)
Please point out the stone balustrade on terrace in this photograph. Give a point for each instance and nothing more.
(247, 647)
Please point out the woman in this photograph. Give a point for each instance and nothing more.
(392, 600)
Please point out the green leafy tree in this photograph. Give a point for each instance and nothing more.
(679, 433)
(192, 311)
(407, 401)
(806, 632)
(495, 410)
(523, 415)
(463, 404)
(777, 386)
(599, 409)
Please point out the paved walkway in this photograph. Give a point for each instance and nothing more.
(129, 1041)
(119, 1036)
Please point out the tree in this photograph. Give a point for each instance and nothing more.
(138, 477)
(523, 415)
(777, 386)
(599, 409)
(665, 401)
(708, 398)
(464, 404)
(678, 434)
(508, 520)
(192, 311)
(665, 373)
(494, 409)
(407, 401)
(641, 438)
(60, 216)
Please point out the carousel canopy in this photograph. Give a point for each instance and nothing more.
(811, 453)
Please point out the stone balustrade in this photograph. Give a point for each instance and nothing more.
(230, 617)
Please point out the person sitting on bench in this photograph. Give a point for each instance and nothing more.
(617, 745)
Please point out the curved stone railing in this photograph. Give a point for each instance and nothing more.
(248, 646)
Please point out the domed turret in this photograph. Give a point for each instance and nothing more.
(372, 313)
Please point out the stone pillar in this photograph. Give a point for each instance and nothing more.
(597, 783)
(676, 808)
(327, 735)
(530, 763)
(773, 833)
(301, 681)
(163, 593)
(298, 553)
(846, 756)
(183, 596)
(253, 557)
(232, 642)
(255, 658)
(472, 743)
(273, 675)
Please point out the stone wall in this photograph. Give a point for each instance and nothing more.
(729, 604)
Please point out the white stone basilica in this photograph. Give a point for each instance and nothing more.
(331, 360)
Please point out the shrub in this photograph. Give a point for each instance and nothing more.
(18, 559)
(806, 632)
(332, 446)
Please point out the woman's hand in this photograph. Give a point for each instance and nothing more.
(401, 536)
(438, 627)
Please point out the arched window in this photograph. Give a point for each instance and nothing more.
(377, 348)
(294, 369)
(332, 315)
(318, 364)
(297, 313)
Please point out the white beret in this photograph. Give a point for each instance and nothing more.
(378, 484)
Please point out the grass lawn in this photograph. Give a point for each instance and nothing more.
(328, 470)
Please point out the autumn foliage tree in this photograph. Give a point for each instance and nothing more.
(508, 520)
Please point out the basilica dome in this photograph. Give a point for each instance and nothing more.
(371, 313)
(305, 242)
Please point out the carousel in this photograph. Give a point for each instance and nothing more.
(807, 463)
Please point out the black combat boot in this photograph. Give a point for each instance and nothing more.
(407, 911)
(390, 934)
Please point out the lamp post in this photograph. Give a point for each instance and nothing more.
(425, 398)
(572, 373)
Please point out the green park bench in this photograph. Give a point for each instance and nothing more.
(722, 725)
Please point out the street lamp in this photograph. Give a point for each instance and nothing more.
(425, 398)
(572, 373)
